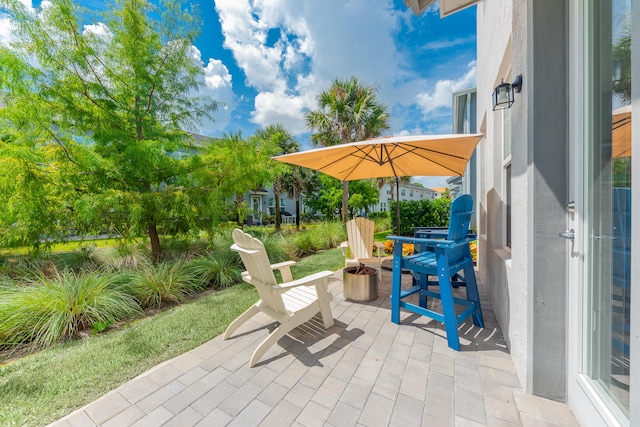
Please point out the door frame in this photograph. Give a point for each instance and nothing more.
(589, 407)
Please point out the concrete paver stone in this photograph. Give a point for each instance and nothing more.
(363, 371)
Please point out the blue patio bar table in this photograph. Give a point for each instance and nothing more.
(443, 259)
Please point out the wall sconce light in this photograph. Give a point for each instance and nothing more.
(503, 93)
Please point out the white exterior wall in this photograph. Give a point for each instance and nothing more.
(503, 273)
(526, 283)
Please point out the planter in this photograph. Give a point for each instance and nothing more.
(360, 283)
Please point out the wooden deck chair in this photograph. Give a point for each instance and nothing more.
(291, 303)
(360, 245)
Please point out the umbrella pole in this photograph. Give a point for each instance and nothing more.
(398, 205)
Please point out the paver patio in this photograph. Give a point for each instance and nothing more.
(364, 371)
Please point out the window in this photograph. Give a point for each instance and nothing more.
(507, 202)
(271, 206)
(403, 192)
(506, 176)
(411, 192)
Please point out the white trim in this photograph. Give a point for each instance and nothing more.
(591, 407)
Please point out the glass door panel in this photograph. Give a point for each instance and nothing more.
(608, 202)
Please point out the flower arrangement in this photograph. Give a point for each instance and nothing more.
(407, 248)
(473, 245)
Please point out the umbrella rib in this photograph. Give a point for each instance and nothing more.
(365, 156)
(414, 150)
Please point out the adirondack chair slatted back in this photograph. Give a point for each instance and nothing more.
(360, 234)
(256, 261)
(459, 218)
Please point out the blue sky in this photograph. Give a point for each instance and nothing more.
(276, 56)
(267, 60)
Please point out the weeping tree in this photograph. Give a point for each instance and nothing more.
(348, 111)
(225, 168)
(96, 107)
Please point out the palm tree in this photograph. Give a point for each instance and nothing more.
(285, 143)
(347, 112)
(297, 181)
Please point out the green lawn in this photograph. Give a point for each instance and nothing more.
(40, 388)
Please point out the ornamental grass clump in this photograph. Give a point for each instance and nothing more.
(41, 312)
(330, 234)
(217, 270)
(168, 281)
(304, 243)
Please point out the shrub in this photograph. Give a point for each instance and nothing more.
(304, 243)
(382, 224)
(330, 234)
(42, 312)
(166, 281)
(274, 243)
(128, 256)
(216, 270)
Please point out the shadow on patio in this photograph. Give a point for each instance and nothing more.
(364, 371)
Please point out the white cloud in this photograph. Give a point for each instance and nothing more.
(448, 43)
(6, 33)
(444, 89)
(291, 50)
(217, 86)
(99, 29)
(6, 26)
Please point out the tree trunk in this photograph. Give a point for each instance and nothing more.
(276, 201)
(345, 201)
(155, 242)
(297, 197)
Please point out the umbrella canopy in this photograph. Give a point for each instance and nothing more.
(415, 155)
(423, 155)
(621, 132)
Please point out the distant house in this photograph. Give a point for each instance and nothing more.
(407, 192)
(261, 203)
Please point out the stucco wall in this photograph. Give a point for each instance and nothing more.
(503, 273)
(526, 284)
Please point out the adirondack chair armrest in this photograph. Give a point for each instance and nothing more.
(343, 247)
(380, 247)
(432, 243)
(283, 267)
(285, 270)
(312, 279)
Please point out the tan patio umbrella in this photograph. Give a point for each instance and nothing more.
(621, 132)
(415, 155)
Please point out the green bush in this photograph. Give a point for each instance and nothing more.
(303, 244)
(219, 270)
(382, 224)
(330, 234)
(128, 256)
(166, 281)
(274, 243)
(40, 313)
(421, 213)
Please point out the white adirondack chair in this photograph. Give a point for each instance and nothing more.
(291, 303)
(360, 234)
